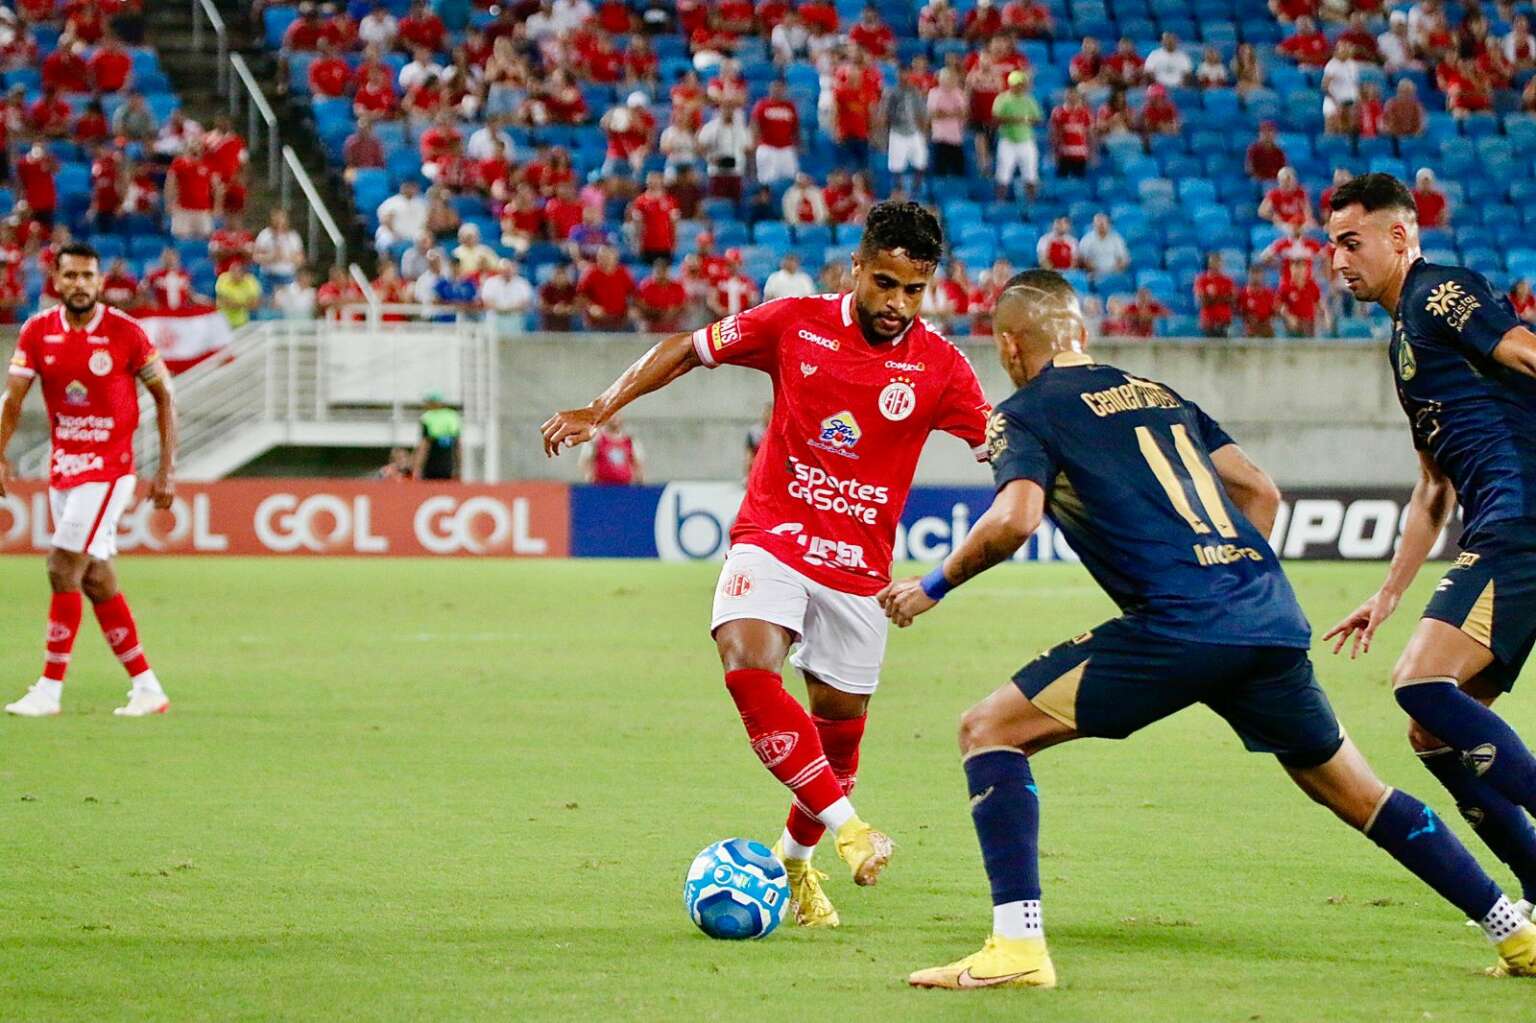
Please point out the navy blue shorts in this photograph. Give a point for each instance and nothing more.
(1121, 677)
(1490, 594)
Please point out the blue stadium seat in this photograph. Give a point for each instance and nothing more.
(813, 234)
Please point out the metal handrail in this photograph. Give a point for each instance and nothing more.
(256, 106)
(207, 11)
(319, 217)
(370, 296)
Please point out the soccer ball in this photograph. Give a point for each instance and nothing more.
(736, 889)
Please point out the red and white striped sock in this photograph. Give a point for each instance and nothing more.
(840, 739)
(784, 737)
(64, 612)
(117, 625)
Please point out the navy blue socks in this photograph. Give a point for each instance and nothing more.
(1489, 747)
(1420, 841)
(1504, 827)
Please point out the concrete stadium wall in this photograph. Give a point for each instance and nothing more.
(1313, 413)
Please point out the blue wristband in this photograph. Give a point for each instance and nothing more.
(935, 585)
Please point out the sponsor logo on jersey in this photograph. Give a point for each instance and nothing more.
(997, 437)
(821, 550)
(830, 344)
(825, 492)
(1407, 365)
(905, 367)
(66, 464)
(52, 339)
(83, 429)
(839, 434)
(808, 368)
(97, 339)
(897, 400)
(100, 363)
(1451, 303)
(76, 393)
(774, 749)
(724, 333)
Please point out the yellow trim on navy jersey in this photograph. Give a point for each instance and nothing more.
(1073, 359)
(1059, 697)
(1479, 621)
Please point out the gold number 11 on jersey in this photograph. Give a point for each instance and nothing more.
(1198, 474)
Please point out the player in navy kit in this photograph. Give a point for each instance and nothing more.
(1465, 369)
(1170, 518)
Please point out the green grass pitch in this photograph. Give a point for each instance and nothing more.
(414, 790)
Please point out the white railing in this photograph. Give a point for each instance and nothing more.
(205, 12)
(259, 115)
(318, 216)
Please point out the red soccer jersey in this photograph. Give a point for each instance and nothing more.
(110, 69)
(1217, 295)
(231, 245)
(777, 122)
(665, 303)
(194, 183)
(849, 421)
(609, 291)
(1299, 298)
(171, 288)
(735, 293)
(1058, 252)
(37, 183)
(1256, 303)
(1074, 128)
(89, 386)
(658, 222)
(1289, 205)
(329, 77)
(878, 41)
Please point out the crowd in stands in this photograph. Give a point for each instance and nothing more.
(648, 164)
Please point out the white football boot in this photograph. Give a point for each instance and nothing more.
(41, 701)
(142, 703)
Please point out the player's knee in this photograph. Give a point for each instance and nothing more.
(978, 729)
(64, 574)
(97, 589)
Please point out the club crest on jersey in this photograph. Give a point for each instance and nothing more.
(75, 393)
(1407, 365)
(100, 362)
(839, 434)
(897, 400)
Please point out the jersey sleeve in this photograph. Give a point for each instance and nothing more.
(964, 410)
(1211, 435)
(749, 338)
(24, 358)
(1018, 451)
(141, 350)
(1466, 311)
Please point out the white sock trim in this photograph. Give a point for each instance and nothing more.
(1018, 920)
(794, 850)
(837, 814)
(1502, 920)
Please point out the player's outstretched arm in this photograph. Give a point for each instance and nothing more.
(157, 380)
(657, 368)
(1014, 516)
(1517, 350)
(16, 388)
(1250, 487)
(1428, 510)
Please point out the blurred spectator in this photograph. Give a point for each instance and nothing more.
(1125, 67)
(296, 299)
(111, 67)
(631, 130)
(119, 288)
(190, 189)
(437, 452)
(91, 127)
(472, 256)
(1340, 176)
(483, 142)
(558, 300)
(362, 149)
(65, 69)
(1215, 297)
(1143, 313)
(50, 116)
(654, 214)
(788, 39)
(134, 120)
(398, 469)
(982, 22)
(1369, 112)
(1057, 249)
(522, 220)
(1397, 53)
(1029, 19)
(1307, 46)
(586, 238)
(1168, 65)
(1433, 208)
(856, 89)
(1524, 301)
(723, 141)
(238, 293)
(1212, 72)
(229, 243)
(1301, 301)
(938, 19)
(1102, 251)
(804, 203)
(947, 108)
(605, 290)
(402, 216)
(776, 135)
(1017, 112)
(1519, 45)
(279, 251)
(1404, 115)
(330, 77)
(660, 300)
(1341, 89)
(904, 115)
(442, 219)
(761, 206)
(1158, 114)
(614, 458)
(36, 173)
(421, 28)
(1114, 323)
(1289, 11)
(1287, 202)
(679, 144)
(168, 286)
(872, 35)
(1115, 117)
(175, 134)
(736, 292)
(452, 294)
(1291, 245)
(1467, 90)
(413, 261)
(1072, 136)
(788, 281)
(1247, 70)
(508, 299)
(378, 27)
(1087, 64)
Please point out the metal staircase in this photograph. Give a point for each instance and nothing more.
(322, 385)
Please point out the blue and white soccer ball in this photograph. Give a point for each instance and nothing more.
(736, 889)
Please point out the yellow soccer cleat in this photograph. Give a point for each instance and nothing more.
(1002, 962)
(808, 902)
(865, 850)
(1517, 954)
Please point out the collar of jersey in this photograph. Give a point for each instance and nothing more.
(1073, 359)
(95, 321)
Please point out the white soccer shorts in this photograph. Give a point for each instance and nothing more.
(1020, 157)
(85, 516)
(903, 151)
(776, 163)
(841, 635)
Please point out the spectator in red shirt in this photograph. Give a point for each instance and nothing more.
(1029, 19)
(65, 69)
(1433, 208)
(872, 35)
(522, 220)
(855, 92)
(306, 31)
(35, 173)
(119, 288)
(1072, 135)
(168, 286)
(1524, 301)
(1340, 176)
(938, 19)
(1057, 249)
(655, 216)
(1287, 11)
(631, 130)
(421, 27)
(92, 127)
(605, 291)
(660, 300)
(982, 22)
(1216, 297)
(776, 135)
(189, 193)
(50, 116)
(1308, 46)
(362, 150)
(1125, 67)
(736, 292)
(111, 66)
(1158, 114)
(1287, 202)
(1256, 304)
(329, 75)
(641, 64)
(1265, 158)
(1467, 90)
(1301, 301)
(820, 15)
(562, 212)
(229, 243)
(1087, 64)
(1142, 314)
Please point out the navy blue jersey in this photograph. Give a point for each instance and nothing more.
(1125, 464)
(1476, 418)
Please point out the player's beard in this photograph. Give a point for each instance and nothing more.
(873, 330)
(80, 303)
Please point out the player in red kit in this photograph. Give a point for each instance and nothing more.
(859, 383)
(87, 357)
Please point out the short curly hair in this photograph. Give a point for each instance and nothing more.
(903, 225)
